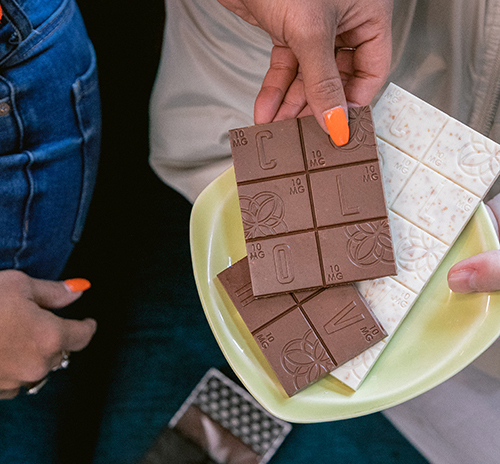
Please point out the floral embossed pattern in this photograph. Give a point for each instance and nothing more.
(361, 129)
(262, 214)
(419, 253)
(305, 360)
(369, 243)
(481, 159)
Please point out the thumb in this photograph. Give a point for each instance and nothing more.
(480, 273)
(57, 294)
(323, 88)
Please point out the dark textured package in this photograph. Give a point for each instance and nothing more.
(219, 423)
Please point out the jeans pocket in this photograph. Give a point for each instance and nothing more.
(88, 112)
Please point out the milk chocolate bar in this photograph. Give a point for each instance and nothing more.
(303, 335)
(436, 170)
(314, 214)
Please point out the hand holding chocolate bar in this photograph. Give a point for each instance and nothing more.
(305, 75)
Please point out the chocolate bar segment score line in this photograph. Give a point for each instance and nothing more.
(314, 214)
(304, 335)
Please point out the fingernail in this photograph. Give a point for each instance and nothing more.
(463, 281)
(77, 285)
(337, 125)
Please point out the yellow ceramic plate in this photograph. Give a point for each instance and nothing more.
(443, 333)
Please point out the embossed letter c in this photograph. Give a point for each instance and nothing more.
(259, 140)
(398, 122)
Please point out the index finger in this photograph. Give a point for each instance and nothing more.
(282, 72)
(371, 62)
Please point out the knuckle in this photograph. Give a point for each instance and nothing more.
(50, 340)
(15, 279)
(271, 92)
(305, 28)
(314, 24)
(293, 103)
(34, 371)
(283, 67)
(326, 88)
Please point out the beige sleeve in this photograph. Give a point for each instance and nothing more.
(211, 70)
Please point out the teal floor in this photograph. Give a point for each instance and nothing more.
(154, 344)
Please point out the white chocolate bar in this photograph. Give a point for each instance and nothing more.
(436, 171)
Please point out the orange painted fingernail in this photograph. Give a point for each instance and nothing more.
(77, 285)
(336, 123)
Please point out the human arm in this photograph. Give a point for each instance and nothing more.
(305, 76)
(32, 338)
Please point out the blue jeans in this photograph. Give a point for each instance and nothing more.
(49, 133)
(49, 145)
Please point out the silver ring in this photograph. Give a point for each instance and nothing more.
(64, 361)
(34, 389)
(344, 49)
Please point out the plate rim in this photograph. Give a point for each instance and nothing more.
(286, 412)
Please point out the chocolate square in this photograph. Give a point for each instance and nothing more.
(275, 207)
(348, 194)
(254, 312)
(291, 260)
(294, 351)
(342, 322)
(350, 249)
(275, 148)
(322, 152)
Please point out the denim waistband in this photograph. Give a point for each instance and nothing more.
(26, 15)
(26, 23)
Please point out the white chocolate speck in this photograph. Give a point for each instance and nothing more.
(407, 122)
(435, 204)
(388, 299)
(396, 169)
(465, 157)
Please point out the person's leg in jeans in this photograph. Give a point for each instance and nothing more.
(49, 145)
